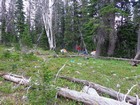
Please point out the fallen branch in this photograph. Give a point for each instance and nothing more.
(88, 99)
(16, 78)
(60, 70)
(114, 94)
(129, 91)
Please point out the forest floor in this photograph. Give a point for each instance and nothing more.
(41, 67)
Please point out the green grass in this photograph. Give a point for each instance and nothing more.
(107, 73)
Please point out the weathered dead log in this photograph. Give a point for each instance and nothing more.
(114, 94)
(88, 99)
(90, 91)
(17, 79)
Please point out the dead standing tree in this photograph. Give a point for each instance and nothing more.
(47, 16)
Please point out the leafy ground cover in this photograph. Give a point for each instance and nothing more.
(42, 70)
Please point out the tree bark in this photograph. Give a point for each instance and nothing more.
(102, 89)
(88, 99)
(112, 35)
(100, 41)
(107, 37)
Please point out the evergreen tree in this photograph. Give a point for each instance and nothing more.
(19, 20)
(26, 37)
(137, 21)
(3, 23)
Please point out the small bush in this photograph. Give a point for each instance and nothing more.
(30, 57)
(43, 93)
(9, 55)
(6, 54)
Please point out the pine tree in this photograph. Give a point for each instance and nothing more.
(3, 22)
(26, 37)
(19, 19)
(137, 21)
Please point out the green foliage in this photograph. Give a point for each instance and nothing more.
(26, 37)
(3, 31)
(71, 33)
(43, 42)
(19, 18)
(108, 9)
(108, 73)
(90, 30)
(6, 88)
(17, 46)
(127, 40)
(8, 55)
(43, 93)
(43, 89)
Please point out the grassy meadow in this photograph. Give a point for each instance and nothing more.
(42, 69)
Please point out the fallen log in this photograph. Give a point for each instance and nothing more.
(112, 93)
(88, 99)
(90, 91)
(16, 78)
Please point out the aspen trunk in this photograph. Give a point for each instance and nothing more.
(47, 16)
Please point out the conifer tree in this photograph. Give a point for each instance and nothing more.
(19, 20)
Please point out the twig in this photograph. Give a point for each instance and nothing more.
(129, 92)
(56, 98)
(119, 98)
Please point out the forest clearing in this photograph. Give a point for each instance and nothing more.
(69, 52)
(44, 75)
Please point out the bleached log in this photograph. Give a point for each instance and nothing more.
(112, 93)
(88, 99)
(90, 91)
(17, 79)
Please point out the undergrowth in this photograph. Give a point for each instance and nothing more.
(118, 75)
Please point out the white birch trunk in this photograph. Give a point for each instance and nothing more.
(47, 16)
